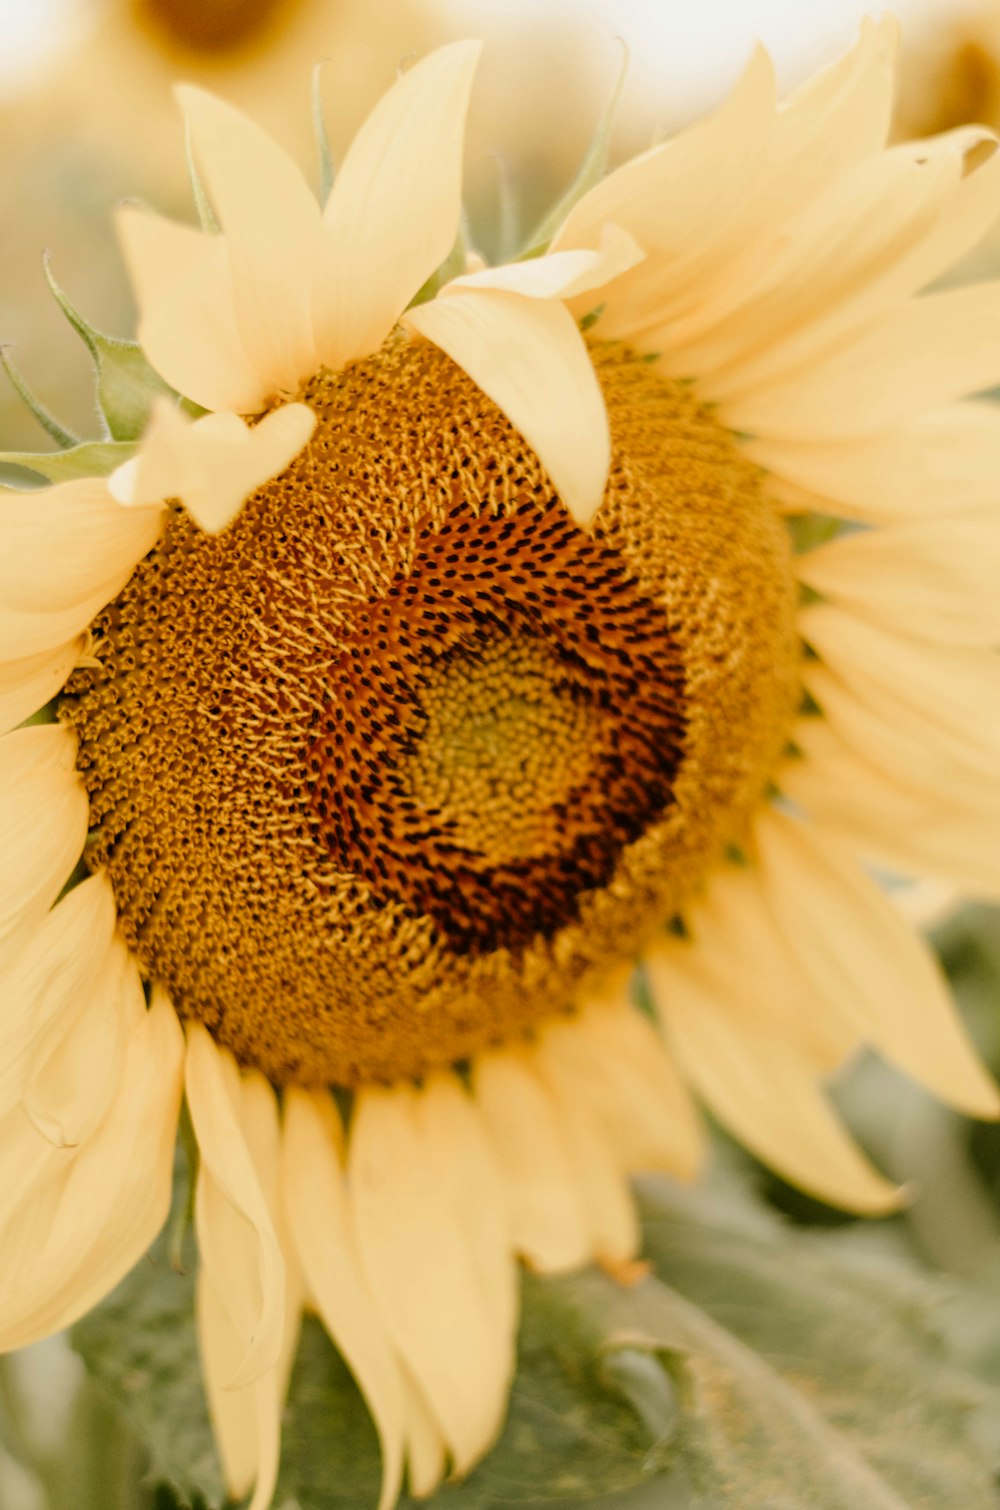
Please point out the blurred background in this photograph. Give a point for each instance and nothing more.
(87, 118)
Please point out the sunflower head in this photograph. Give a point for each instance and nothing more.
(456, 658)
(405, 757)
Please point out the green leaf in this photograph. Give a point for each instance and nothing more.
(587, 1413)
(812, 1382)
(126, 384)
(758, 1366)
(141, 1346)
(589, 173)
(94, 458)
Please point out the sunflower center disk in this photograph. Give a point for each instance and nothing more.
(405, 759)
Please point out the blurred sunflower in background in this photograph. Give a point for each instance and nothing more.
(446, 646)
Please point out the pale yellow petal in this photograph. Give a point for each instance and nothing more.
(913, 763)
(63, 544)
(233, 1412)
(213, 465)
(423, 1273)
(928, 352)
(271, 222)
(737, 943)
(187, 321)
(548, 1224)
(604, 1193)
(857, 950)
(934, 581)
(426, 1454)
(76, 1069)
(620, 1068)
(64, 552)
(875, 237)
(27, 685)
(758, 1086)
(528, 356)
(939, 463)
(883, 819)
(714, 202)
(949, 697)
(44, 815)
(393, 212)
(66, 955)
(247, 1421)
(236, 1237)
(102, 1205)
(460, 1150)
(558, 275)
(682, 201)
(321, 1228)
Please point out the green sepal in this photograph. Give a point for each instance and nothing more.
(453, 266)
(589, 173)
(45, 417)
(322, 140)
(202, 203)
(126, 384)
(92, 458)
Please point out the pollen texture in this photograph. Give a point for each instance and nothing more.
(405, 759)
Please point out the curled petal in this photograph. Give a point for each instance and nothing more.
(528, 356)
(213, 465)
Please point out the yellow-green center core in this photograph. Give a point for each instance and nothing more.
(405, 759)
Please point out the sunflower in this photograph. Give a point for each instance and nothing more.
(469, 765)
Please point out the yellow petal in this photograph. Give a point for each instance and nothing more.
(63, 544)
(321, 1229)
(65, 551)
(187, 321)
(27, 685)
(856, 949)
(604, 1192)
(737, 941)
(714, 203)
(948, 697)
(63, 958)
(458, 1147)
(758, 1086)
(422, 1272)
(271, 223)
(548, 1223)
(628, 1081)
(938, 463)
(877, 235)
(928, 352)
(247, 1421)
(885, 820)
(44, 815)
(233, 1412)
(558, 275)
(101, 1205)
(393, 212)
(76, 1069)
(916, 765)
(236, 1236)
(426, 1455)
(528, 356)
(682, 201)
(213, 465)
(934, 581)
